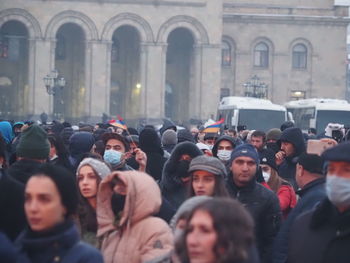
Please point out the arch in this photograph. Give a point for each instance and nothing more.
(198, 31)
(74, 17)
(128, 19)
(230, 41)
(262, 49)
(23, 16)
(303, 41)
(265, 40)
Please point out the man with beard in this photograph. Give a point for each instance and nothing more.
(175, 177)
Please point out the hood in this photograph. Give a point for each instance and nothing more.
(295, 137)
(185, 136)
(222, 138)
(167, 124)
(150, 142)
(139, 185)
(6, 131)
(81, 142)
(169, 178)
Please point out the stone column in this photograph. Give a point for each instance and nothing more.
(210, 81)
(39, 66)
(195, 93)
(100, 78)
(88, 78)
(153, 66)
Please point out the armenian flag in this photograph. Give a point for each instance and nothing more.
(215, 127)
(119, 123)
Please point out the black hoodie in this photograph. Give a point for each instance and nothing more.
(173, 189)
(287, 168)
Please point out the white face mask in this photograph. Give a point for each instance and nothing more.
(338, 190)
(210, 146)
(224, 155)
(266, 176)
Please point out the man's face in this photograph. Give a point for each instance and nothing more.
(341, 169)
(243, 169)
(288, 148)
(225, 145)
(113, 144)
(209, 142)
(257, 142)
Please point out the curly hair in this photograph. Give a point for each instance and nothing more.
(234, 228)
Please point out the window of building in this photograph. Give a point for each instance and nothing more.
(299, 57)
(115, 50)
(261, 55)
(226, 54)
(4, 45)
(60, 47)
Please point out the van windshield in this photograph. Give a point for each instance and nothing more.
(326, 116)
(262, 120)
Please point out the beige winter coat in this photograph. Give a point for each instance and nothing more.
(139, 236)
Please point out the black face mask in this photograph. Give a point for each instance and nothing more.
(117, 203)
(182, 168)
(273, 146)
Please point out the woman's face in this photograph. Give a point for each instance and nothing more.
(201, 238)
(87, 182)
(203, 183)
(43, 206)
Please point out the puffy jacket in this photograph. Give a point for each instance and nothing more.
(310, 195)
(263, 205)
(61, 246)
(287, 198)
(138, 236)
(287, 168)
(320, 236)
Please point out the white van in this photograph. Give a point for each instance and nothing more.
(254, 113)
(317, 113)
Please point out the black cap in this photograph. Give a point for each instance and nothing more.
(267, 156)
(340, 153)
(312, 163)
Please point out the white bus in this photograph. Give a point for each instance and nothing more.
(255, 114)
(317, 113)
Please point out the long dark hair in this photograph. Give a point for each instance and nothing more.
(234, 228)
(220, 189)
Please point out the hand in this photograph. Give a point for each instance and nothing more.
(280, 156)
(141, 159)
(329, 141)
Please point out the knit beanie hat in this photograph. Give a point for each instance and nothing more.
(207, 163)
(273, 134)
(245, 150)
(101, 169)
(267, 156)
(65, 183)
(169, 137)
(33, 143)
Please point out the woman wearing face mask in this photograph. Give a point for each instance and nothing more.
(126, 204)
(207, 177)
(217, 231)
(50, 202)
(90, 172)
(283, 189)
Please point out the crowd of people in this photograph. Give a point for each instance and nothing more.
(108, 193)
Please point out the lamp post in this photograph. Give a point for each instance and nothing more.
(54, 84)
(255, 88)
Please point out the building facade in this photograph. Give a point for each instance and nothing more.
(150, 59)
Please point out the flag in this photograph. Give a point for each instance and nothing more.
(215, 127)
(118, 123)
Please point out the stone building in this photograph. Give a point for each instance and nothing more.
(149, 59)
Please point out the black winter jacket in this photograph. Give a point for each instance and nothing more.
(173, 189)
(263, 205)
(310, 195)
(23, 169)
(321, 236)
(287, 168)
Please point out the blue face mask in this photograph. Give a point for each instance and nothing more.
(112, 157)
(338, 190)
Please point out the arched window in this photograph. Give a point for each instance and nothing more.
(299, 56)
(261, 55)
(226, 54)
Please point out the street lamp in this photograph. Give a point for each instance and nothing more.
(53, 82)
(255, 88)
